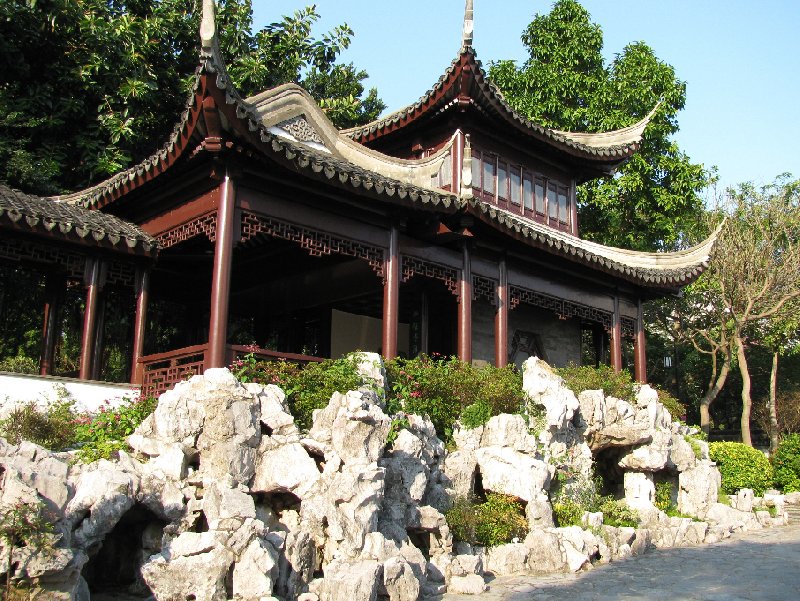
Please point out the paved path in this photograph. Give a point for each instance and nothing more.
(757, 566)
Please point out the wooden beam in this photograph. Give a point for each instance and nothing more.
(640, 348)
(501, 317)
(89, 335)
(221, 277)
(140, 323)
(391, 294)
(616, 338)
(465, 307)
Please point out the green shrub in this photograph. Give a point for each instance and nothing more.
(307, 387)
(20, 365)
(664, 495)
(53, 428)
(102, 435)
(741, 466)
(443, 388)
(497, 521)
(616, 513)
(578, 379)
(475, 415)
(695, 444)
(786, 463)
(568, 513)
(676, 409)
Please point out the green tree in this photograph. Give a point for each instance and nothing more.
(88, 86)
(654, 200)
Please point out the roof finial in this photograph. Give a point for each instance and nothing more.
(208, 24)
(466, 39)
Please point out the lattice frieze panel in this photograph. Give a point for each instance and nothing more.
(72, 263)
(205, 225)
(628, 327)
(564, 309)
(411, 266)
(317, 243)
(120, 274)
(483, 287)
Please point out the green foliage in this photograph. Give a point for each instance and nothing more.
(102, 435)
(654, 200)
(19, 365)
(397, 424)
(616, 513)
(664, 495)
(23, 525)
(741, 466)
(786, 463)
(676, 409)
(443, 388)
(53, 428)
(568, 513)
(578, 379)
(475, 415)
(497, 521)
(91, 85)
(307, 387)
(696, 448)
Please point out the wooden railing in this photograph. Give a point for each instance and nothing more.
(161, 372)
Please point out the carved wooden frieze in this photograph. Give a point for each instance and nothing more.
(317, 243)
(71, 263)
(205, 224)
(483, 287)
(563, 308)
(628, 327)
(416, 266)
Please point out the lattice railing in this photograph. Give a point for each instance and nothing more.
(161, 372)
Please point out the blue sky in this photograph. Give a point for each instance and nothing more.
(739, 58)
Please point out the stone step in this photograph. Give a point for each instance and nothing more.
(793, 512)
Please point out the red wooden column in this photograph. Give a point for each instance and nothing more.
(89, 336)
(501, 318)
(221, 278)
(640, 348)
(140, 323)
(391, 294)
(616, 338)
(99, 342)
(55, 285)
(465, 308)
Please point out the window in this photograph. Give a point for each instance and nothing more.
(527, 191)
(515, 185)
(518, 190)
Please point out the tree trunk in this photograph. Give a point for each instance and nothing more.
(747, 401)
(773, 405)
(713, 392)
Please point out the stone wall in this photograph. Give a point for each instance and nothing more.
(225, 498)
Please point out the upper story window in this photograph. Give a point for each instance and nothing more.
(523, 191)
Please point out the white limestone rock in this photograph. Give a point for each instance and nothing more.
(471, 584)
(511, 431)
(510, 472)
(399, 580)
(200, 577)
(698, 488)
(511, 558)
(650, 457)
(546, 552)
(640, 490)
(288, 468)
(255, 571)
(743, 499)
(351, 581)
(544, 387)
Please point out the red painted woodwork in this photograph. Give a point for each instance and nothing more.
(501, 317)
(142, 297)
(465, 307)
(221, 278)
(391, 295)
(55, 286)
(89, 335)
(640, 348)
(616, 338)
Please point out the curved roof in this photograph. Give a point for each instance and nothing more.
(465, 81)
(72, 223)
(355, 167)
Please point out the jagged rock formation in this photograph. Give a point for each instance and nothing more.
(225, 498)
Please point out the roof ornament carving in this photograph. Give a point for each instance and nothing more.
(300, 129)
(469, 24)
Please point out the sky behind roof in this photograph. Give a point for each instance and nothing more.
(739, 58)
